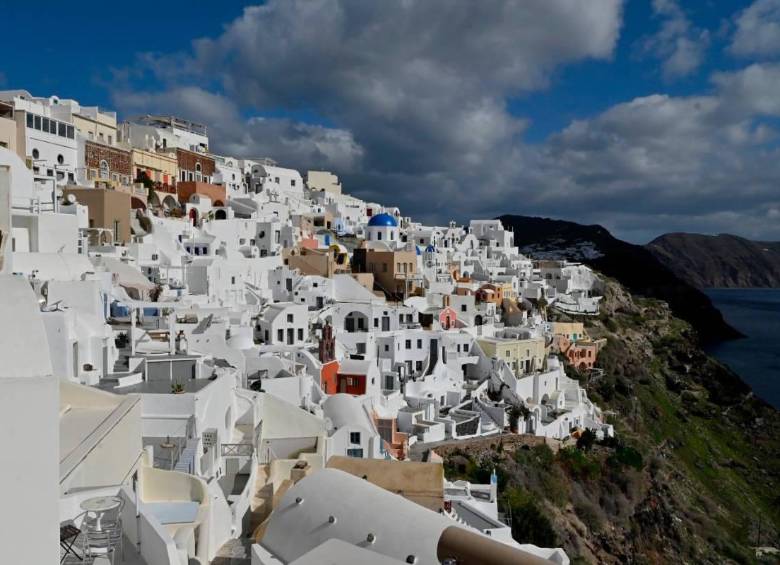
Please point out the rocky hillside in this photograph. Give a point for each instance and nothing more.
(632, 265)
(722, 261)
(693, 476)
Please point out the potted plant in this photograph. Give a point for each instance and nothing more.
(177, 388)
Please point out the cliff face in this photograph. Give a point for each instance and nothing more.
(692, 477)
(632, 265)
(723, 261)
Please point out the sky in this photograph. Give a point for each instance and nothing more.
(645, 116)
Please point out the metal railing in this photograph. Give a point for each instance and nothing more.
(237, 449)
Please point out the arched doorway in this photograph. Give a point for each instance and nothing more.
(220, 214)
(193, 216)
(356, 322)
(136, 203)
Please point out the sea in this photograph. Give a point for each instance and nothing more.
(756, 358)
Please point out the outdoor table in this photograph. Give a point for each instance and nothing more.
(99, 505)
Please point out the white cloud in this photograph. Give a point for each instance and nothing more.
(758, 30)
(679, 45)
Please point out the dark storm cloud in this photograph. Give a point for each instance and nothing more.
(413, 98)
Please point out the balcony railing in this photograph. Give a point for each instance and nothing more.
(237, 449)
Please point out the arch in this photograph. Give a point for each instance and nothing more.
(355, 322)
(193, 215)
(545, 398)
(105, 172)
(170, 202)
(136, 203)
(219, 204)
(478, 321)
(220, 214)
(153, 200)
(583, 367)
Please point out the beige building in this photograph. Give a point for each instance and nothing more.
(523, 356)
(323, 180)
(7, 127)
(108, 210)
(573, 331)
(95, 124)
(395, 272)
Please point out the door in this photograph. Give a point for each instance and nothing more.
(385, 323)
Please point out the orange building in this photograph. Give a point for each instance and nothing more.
(185, 189)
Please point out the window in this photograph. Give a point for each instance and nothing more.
(290, 318)
(53, 127)
(63, 130)
(110, 140)
(300, 334)
(37, 122)
(36, 153)
(29, 120)
(408, 344)
(418, 365)
(419, 344)
(104, 172)
(46, 125)
(376, 322)
(71, 132)
(354, 437)
(280, 335)
(276, 180)
(387, 348)
(232, 280)
(358, 453)
(384, 267)
(116, 230)
(49, 172)
(292, 182)
(60, 159)
(465, 347)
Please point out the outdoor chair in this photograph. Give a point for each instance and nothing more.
(103, 534)
(69, 533)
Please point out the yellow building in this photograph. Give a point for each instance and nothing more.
(158, 167)
(96, 125)
(524, 356)
(573, 331)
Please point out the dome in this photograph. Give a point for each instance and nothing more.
(430, 249)
(383, 220)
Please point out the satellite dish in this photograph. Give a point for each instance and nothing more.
(71, 198)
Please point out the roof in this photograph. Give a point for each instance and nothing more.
(383, 220)
(345, 410)
(128, 276)
(399, 527)
(338, 552)
(282, 420)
